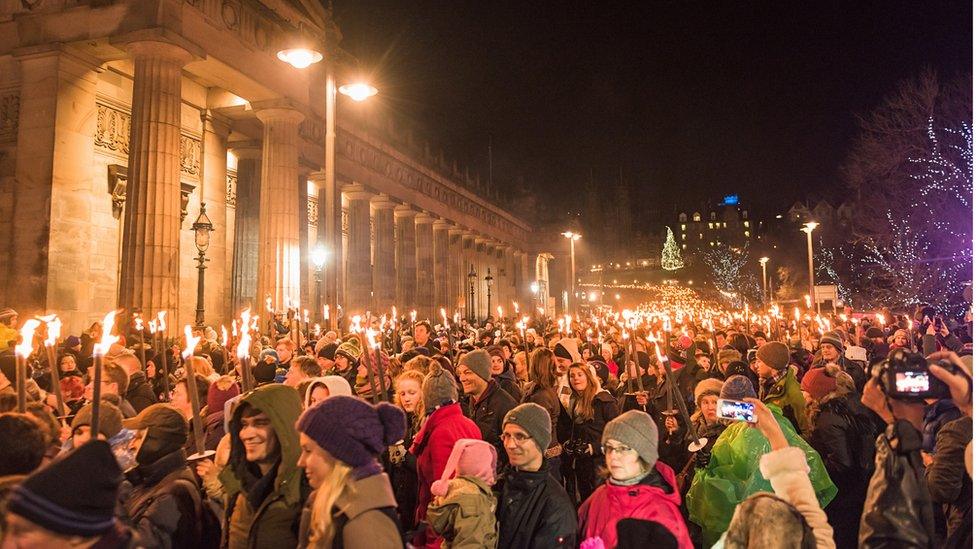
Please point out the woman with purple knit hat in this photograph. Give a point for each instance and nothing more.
(353, 505)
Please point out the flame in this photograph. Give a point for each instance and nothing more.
(244, 345)
(371, 339)
(233, 328)
(413, 316)
(26, 345)
(267, 304)
(137, 318)
(305, 315)
(223, 335)
(500, 312)
(152, 326)
(191, 342)
(325, 312)
(162, 321)
(354, 325)
(102, 347)
(444, 316)
(516, 306)
(53, 329)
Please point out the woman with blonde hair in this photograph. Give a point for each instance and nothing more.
(590, 409)
(399, 463)
(353, 504)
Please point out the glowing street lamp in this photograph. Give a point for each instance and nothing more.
(359, 91)
(300, 58)
(763, 261)
(573, 237)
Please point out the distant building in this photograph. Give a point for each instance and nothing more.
(725, 223)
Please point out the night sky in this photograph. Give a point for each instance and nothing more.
(689, 100)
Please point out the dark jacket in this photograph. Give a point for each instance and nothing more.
(898, 508)
(547, 398)
(401, 465)
(937, 415)
(507, 381)
(534, 511)
(947, 480)
(264, 511)
(488, 413)
(140, 393)
(164, 506)
(844, 434)
(851, 367)
(213, 428)
(582, 455)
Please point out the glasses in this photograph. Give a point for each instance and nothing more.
(608, 449)
(519, 438)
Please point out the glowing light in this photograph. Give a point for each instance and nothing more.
(300, 58)
(359, 91)
(101, 348)
(26, 345)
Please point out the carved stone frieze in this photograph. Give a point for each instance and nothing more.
(9, 115)
(252, 23)
(312, 209)
(112, 130)
(189, 155)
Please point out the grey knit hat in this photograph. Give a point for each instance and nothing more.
(535, 420)
(479, 362)
(833, 338)
(737, 388)
(774, 354)
(439, 386)
(637, 430)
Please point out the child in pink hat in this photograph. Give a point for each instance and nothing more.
(463, 509)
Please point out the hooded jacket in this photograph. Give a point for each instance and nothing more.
(655, 498)
(164, 505)
(274, 520)
(465, 517)
(786, 394)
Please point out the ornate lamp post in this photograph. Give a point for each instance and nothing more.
(202, 228)
(472, 280)
(319, 256)
(488, 280)
(573, 237)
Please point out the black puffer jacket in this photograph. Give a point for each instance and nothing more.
(948, 482)
(164, 506)
(844, 434)
(898, 508)
(534, 511)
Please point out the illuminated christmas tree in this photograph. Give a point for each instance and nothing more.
(671, 255)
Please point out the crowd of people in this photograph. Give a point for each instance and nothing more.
(665, 429)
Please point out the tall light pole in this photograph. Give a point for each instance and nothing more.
(302, 58)
(488, 280)
(763, 261)
(573, 237)
(808, 228)
(472, 281)
(202, 228)
(319, 256)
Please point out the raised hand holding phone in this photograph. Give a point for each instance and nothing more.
(767, 425)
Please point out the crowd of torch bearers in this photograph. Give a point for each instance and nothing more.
(650, 325)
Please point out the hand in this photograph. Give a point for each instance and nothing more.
(642, 398)
(944, 330)
(926, 459)
(206, 467)
(671, 424)
(767, 425)
(930, 330)
(959, 386)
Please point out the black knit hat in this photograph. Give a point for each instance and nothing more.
(74, 495)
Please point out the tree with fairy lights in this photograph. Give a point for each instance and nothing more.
(727, 265)
(671, 255)
(912, 171)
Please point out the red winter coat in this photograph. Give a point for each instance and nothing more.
(610, 503)
(432, 446)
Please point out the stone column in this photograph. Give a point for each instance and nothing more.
(214, 193)
(151, 237)
(384, 264)
(455, 271)
(359, 276)
(442, 255)
(244, 281)
(279, 265)
(480, 267)
(63, 251)
(425, 266)
(406, 258)
(467, 262)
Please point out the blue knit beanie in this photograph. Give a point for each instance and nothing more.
(737, 388)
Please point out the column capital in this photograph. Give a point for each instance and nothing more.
(455, 230)
(404, 210)
(158, 49)
(154, 42)
(383, 202)
(248, 150)
(277, 111)
(424, 217)
(357, 191)
(442, 224)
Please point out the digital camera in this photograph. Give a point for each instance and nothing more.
(905, 376)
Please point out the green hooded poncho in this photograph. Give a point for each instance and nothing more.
(733, 474)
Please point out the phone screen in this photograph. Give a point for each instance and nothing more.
(911, 382)
(736, 410)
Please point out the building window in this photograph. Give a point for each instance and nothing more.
(682, 225)
(745, 224)
(713, 216)
(696, 217)
(684, 246)
(682, 217)
(701, 236)
(682, 236)
(747, 234)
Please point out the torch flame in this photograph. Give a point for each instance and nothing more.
(137, 318)
(102, 347)
(223, 335)
(244, 345)
(191, 342)
(26, 345)
(162, 320)
(53, 329)
(152, 326)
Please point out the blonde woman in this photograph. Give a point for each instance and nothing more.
(353, 504)
(399, 463)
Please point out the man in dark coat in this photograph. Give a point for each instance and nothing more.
(139, 393)
(534, 510)
(486, 403)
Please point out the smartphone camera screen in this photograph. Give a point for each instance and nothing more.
(912, 382)
(736, 410)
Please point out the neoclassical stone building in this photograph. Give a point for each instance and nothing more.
(119, 118)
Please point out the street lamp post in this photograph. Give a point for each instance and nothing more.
(573, 237)
(319, 257)
(763, 261)
(488, 280)
(808, 228)
(202, 228)
(301, 58)
(472, 280)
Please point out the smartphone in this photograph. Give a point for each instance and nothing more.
(736, 410)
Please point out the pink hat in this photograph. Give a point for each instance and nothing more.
(471, 458)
